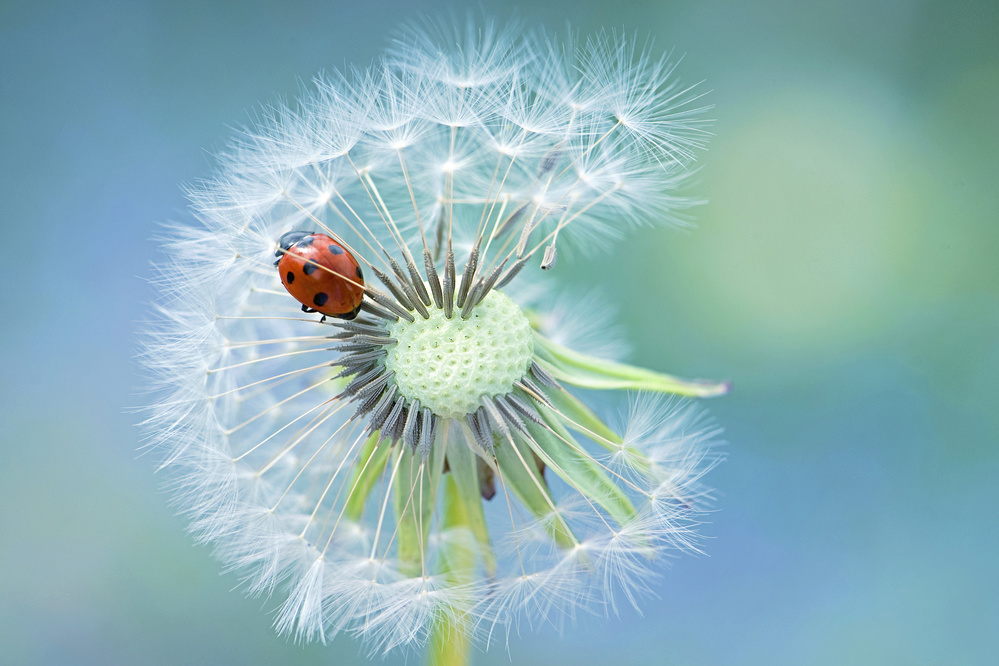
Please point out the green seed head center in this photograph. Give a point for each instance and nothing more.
(449, 364)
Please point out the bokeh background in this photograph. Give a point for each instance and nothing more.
(845, 276)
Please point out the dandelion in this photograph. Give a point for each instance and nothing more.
(423, 468)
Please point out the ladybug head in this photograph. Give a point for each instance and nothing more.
(289, 239)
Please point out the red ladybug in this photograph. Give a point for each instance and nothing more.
(311, 266)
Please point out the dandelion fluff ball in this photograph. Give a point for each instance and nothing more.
(434, 466)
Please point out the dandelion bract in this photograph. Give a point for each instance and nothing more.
(444, 463)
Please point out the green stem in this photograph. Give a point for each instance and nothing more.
(449, 643)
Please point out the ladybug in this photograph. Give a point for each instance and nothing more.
(311, 266)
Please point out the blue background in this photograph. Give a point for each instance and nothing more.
(844, 276)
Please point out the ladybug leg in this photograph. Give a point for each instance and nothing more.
(306, 309)
(322, 320)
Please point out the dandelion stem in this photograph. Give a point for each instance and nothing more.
(449, 643)
(449, 638)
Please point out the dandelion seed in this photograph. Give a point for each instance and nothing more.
(419, 466)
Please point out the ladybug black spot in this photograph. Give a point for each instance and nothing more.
(290, 277)
(335, 249)
(310, 267)
(320, 299)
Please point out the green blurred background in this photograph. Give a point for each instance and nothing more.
(844, 276)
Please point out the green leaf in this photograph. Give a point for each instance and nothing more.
(465, 475)
(575, 414)
(581, 418)
(520, 472)
(564, 456)
(590, 372)
(413, 499)
(367, 469)
(457, 555)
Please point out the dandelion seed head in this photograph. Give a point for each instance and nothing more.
(428, 463)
